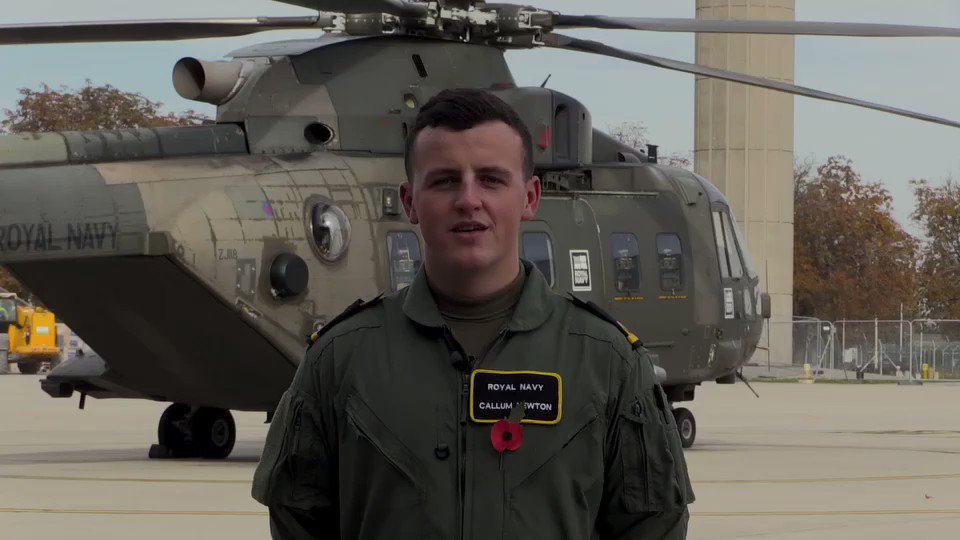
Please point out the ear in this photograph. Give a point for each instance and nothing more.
(532, 198)
(406, 197)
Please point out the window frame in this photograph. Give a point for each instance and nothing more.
(418, 262)
(679, 254)
(639, 261)
(310, 207)
(551, 254)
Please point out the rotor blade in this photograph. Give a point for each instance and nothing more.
(805, 28)
(570, 43)
(403, 8)
(151, 30)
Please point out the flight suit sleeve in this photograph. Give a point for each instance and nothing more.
(647, 487)
(296, 477)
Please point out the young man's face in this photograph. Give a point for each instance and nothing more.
(469, 195)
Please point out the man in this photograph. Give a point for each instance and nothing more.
(475, 403)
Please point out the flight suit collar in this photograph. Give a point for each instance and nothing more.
(533, 309)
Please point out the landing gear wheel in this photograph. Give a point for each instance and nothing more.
(214, 432)
(173, 433)
(27, 367)
(686, 425)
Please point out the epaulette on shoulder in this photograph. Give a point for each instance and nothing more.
(351, 310)
(599, 312)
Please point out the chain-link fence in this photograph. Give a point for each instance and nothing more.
(935, 350)
(808, 347)
(876, 346)
(798, 347)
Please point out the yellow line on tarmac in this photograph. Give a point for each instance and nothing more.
(915, 512)
(131, 512)
(840, 480)
(135, 480)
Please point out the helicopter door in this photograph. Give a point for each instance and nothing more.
(566, 230)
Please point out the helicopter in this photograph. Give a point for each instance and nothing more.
(196, 260)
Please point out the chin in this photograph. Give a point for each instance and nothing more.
(470, 262)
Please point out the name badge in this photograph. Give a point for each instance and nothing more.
(493, 394)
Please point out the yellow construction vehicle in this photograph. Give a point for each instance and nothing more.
(32, 336)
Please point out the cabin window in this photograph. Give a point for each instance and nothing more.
(403, 250)
(329, 231)
(538, 249)
(670, 261)
(626, 261)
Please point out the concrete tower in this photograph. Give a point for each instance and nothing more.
(744, 145)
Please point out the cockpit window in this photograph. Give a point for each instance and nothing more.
(403, 249)
(730, 266)
(742, 246)
(670, 261)
(736, 268)
(626, 261)
(721, 241)
(538, 249)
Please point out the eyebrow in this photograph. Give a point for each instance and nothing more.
(455, 171)
(496, 170)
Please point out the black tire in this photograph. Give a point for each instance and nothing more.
(686, 426)
(4, 361)
(28, 367)
(172, 437)
(214, 432)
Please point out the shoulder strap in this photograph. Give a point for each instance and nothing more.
(351, 310)
(599, 312)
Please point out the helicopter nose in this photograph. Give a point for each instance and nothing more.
(67, 211)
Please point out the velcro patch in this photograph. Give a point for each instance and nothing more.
(493, 393)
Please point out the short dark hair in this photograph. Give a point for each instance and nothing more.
(460, 109)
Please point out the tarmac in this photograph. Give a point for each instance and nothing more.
(803, 461)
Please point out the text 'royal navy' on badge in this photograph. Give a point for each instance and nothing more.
(494, 393)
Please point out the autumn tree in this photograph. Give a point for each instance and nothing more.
(938, 213)
(635, 135)
(852, 260)
(88, 108)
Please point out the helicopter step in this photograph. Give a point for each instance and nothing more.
(186, 431)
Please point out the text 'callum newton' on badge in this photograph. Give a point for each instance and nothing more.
(493, 394)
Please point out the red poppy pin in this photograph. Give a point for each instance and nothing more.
(507, 433)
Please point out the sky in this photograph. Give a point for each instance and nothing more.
(913, 73)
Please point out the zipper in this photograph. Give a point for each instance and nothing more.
(496, 343)
(454, 346)
(464, 408)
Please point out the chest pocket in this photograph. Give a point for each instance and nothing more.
(654, 472)
(382, 483)
(557, 479)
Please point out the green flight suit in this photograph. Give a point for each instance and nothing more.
(374, 440)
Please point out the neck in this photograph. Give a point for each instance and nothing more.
(456, 284)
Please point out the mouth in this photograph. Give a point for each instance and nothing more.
(469, 227)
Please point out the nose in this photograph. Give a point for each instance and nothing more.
(468, 197)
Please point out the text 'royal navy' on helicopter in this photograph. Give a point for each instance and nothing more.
(210, 252)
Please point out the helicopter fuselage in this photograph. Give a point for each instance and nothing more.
(169, 250)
